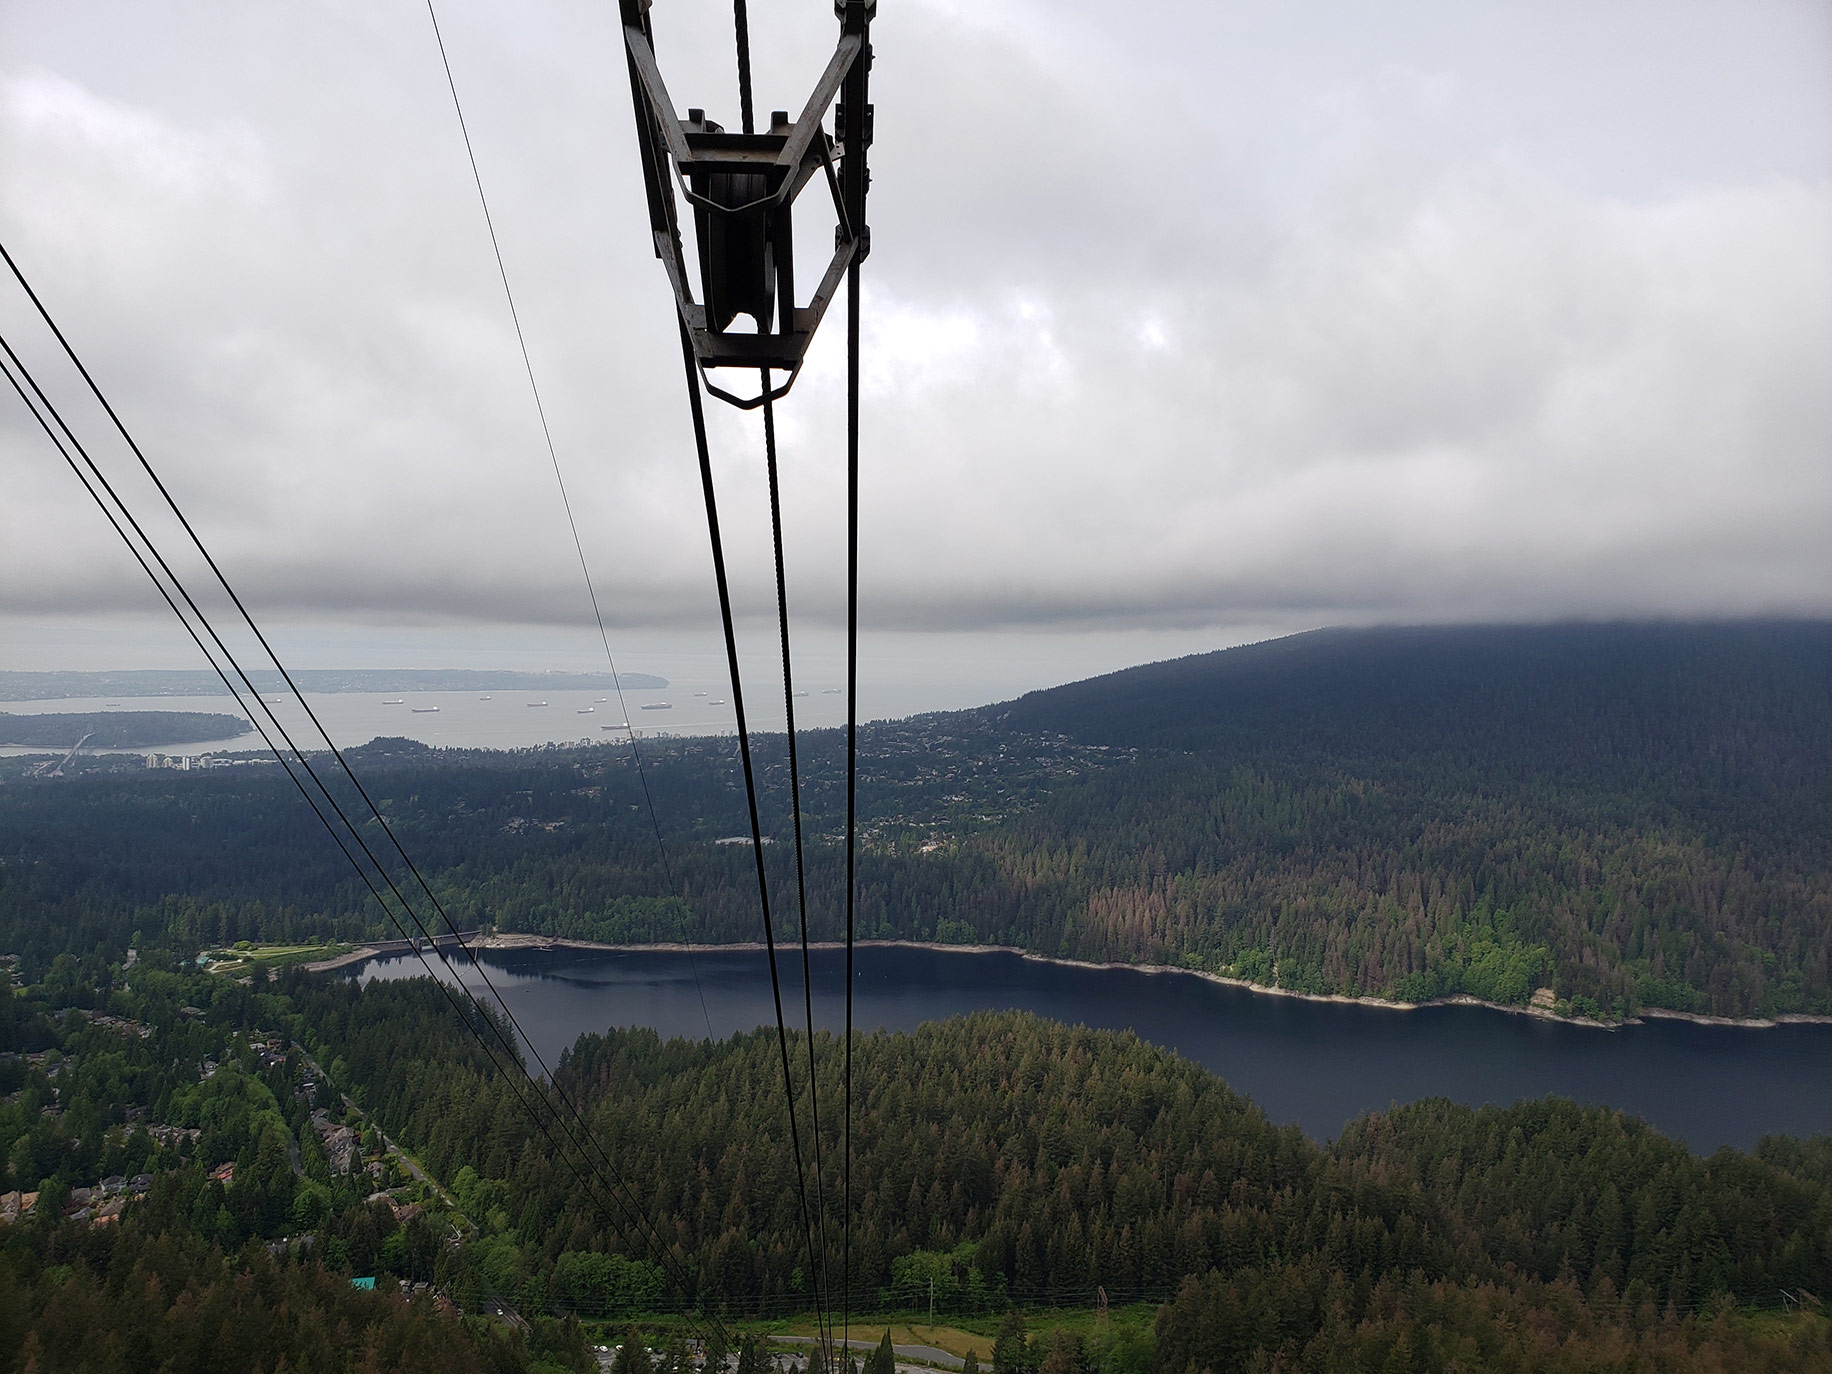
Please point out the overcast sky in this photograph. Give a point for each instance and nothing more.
(1188, 319)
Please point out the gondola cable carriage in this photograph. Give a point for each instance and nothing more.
(741, 188)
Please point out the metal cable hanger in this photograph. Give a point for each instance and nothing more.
(741, 189)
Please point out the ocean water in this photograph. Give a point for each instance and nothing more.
(900, 674)
(467, 720)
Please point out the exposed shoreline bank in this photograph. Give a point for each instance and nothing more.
(521, 941)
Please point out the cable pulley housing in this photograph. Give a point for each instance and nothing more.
(742, 189)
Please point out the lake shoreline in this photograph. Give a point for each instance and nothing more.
(511, 942)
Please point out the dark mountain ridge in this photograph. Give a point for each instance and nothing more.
(1545, 696)
(1571, 798)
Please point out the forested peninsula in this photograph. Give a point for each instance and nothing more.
(1627, 816)
(118, 729)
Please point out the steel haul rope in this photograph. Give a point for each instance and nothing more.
(741, 189)
(795, 811)
(750, 783)
(93, 480)
(304, 763)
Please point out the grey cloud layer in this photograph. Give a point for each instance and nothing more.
(1116, 371)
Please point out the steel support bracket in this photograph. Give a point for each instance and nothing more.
(741, 189)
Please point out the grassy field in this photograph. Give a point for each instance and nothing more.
(237, 962)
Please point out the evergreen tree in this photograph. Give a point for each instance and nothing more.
(632, 1356)
(1064, 1355)
(713, 1357)
(1011, 1352)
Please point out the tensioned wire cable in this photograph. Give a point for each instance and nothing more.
(247, 685)
(741, 27)
(817, 1254)
(256, 716)
(331, 746)
(710, 496)
(747, 116)
(553, 456)
(852, 739)
(795, 807)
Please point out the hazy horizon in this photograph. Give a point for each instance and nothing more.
(1510, 314)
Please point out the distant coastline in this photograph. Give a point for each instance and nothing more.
(61, 686)
(523, 941)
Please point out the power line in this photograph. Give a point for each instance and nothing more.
(553, 456)
(329, 798)
(750, 778)
(795, 810)
(852, 740)
(624, 1204)
(223, 581)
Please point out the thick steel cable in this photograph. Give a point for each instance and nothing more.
(795, 808)
(741, 24)
(750, 780)
(255, 717)
(852, 733)
(741, 27)
(553, 457)
(286, 676)
(747, 117)
(330, 745)
(241, 673)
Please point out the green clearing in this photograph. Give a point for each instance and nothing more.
(241, 959)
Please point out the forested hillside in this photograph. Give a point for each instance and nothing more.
(1000, 1163)
(1020, 1159)
(1628, 815)
(1632, 815)
(166, 1203)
